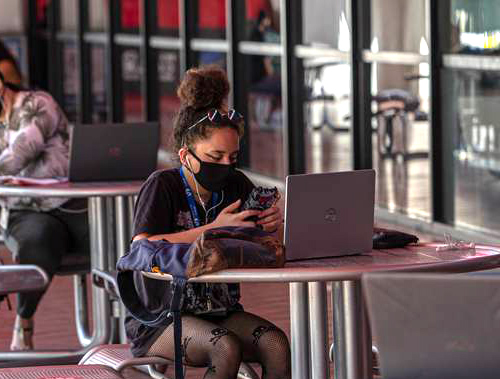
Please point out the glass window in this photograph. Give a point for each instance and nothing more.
(264, 123)
(399, 25)
(69, 15)
(327, 88)
(211, 57)
(41, 11)
(11, 16)
(168, 77)
(131, 76)
(97, 15)
(263, 20)
(168, 17)
(211, 19)
(401, 137)
(326, 22)
(474, 97)
(129, 16)
(98, 62)
(475, 26)
(71, 83)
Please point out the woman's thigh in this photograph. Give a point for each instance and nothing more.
(35, 237)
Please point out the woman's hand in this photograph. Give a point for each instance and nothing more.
(230, 217)
(270, 219)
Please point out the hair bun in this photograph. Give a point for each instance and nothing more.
(203, 87)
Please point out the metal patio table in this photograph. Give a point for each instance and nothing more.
(110, 213)
(351, 334)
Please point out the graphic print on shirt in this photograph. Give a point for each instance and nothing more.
(184, 221)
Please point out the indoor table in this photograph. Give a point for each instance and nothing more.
(110, 214)
(352, 348)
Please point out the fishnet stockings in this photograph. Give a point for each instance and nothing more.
(222, 343)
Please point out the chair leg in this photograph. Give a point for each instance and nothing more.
(247, 372)
(155, 374)
(81, 309)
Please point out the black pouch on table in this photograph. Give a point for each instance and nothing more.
(389, 239)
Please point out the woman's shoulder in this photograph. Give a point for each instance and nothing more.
(163, 178)
(36, 99)
(241, 179)
(240, 185)
(165, 175)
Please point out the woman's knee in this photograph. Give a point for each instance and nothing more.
(48, 240)
(44, 247)
(274, 349)
(226, 350)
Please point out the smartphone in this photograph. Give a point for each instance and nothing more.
(261, 198)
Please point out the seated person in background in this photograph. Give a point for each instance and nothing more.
(34, 142)
(178, 205)
(8, 66)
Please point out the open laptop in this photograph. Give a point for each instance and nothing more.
(435, 326)
(329, 214)
(111, 152)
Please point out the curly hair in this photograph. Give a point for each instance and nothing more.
(201, 89)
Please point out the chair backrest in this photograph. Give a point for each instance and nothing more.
(22, 278)
(434, 326)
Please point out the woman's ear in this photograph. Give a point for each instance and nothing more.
(183, 152)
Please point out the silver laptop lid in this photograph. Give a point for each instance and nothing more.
(329, 214)
(435, 326)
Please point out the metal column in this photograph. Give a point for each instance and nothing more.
(351, 334)
(123, 236)
(299, 334)
(318, 336)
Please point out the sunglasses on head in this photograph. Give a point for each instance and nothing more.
(215, 116)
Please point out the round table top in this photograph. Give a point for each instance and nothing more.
(420, 258)
(73, 190)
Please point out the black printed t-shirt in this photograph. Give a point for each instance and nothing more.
(162, 208)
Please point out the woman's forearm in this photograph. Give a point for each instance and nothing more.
(187, 236)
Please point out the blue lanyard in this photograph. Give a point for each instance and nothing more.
(192, 203)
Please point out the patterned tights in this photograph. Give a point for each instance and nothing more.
(221, 344)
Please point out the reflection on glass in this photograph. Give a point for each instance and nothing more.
(42, 12)
(325, 22)
(98, 72)
(212, 19)
(70, 79)
(327, 115)
(168, 76)
(401, 137)
(475, 100)
(263, 20)
(129, 15)
(131, 76)
(168, 17)
(68, 15)
(97, 15)
(265, 125)
(212, 57)
(474, 26)
(399, 25)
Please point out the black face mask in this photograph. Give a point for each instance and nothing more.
(213, 176)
